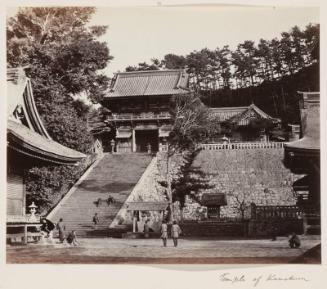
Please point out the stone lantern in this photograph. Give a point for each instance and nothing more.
(225, 139)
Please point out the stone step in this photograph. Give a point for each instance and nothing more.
(114, 175)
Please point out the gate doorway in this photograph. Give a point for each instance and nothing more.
(145, 137)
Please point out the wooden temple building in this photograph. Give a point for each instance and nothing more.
(240, 118)
(213, 202)
(139, 102)
(303, 157)
(28, 145)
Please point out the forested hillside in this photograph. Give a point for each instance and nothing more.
(279, 98)
(268, 73)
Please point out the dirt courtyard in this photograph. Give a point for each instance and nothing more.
(147, 251)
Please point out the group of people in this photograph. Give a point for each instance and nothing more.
(71, 238)
(175, 233)
(48, 226)
(108, 201)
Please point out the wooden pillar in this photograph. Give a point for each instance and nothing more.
(25, 234)
(116, 142)
(133, 141)
(134, 222)
(158, 139)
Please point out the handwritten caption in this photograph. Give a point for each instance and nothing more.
(256, 280)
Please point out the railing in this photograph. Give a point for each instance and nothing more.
(272, 212)
(141, 116)
(235, 146)
(246, 145)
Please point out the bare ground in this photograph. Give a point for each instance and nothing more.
(151, 251)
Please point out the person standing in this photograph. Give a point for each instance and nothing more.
(146, 229)
(149, 149)
(112, 144)
(164, 233)
(61, 228)
(175, 232)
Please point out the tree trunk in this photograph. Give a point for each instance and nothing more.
(169, 191)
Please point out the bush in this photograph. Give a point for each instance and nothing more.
(43, 183)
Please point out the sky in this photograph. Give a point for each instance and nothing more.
(138, 34)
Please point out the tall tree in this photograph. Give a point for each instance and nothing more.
(265, 67)
(247, 61)
(311, 38)
(63, 56)
(298, 46)
(144, 66)
(224, 58)
(287, 53)
(276, 52)
(192, 125)
(173, 61)
(197, 62)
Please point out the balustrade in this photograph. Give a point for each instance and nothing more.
(139, 116)
(246, 145)
(271, 212)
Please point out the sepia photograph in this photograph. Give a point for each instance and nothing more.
(163, 134)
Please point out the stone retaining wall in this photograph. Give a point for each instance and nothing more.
(254, 175)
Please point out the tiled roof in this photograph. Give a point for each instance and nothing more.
(20, 96)
(30, 143)
(147, 206)
(236, 114)
(238, 118)
(225, 113)
(302, 184)
(218, 199)
(155, 82)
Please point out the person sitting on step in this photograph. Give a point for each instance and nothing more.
(47, 226)
(294, 241)
(99, 202)
(95, 220)
(110, 200)
(71, 239)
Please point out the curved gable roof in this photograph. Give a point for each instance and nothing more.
(20, 95)
(26, 132)
(237, 114)
(30, 143)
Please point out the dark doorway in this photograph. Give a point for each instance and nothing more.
(145, 137)
(213, 212)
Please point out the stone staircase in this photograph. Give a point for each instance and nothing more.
(114, 175)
